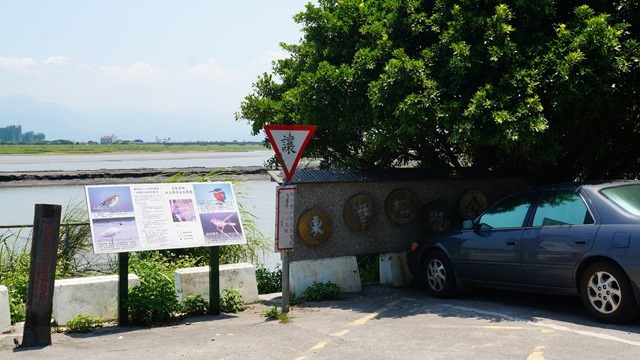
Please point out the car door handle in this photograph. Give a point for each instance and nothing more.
(581, 241)
(512, 242)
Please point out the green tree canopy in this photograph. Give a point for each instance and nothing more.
(549, 89)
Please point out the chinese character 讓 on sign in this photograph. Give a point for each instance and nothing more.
(289, 142)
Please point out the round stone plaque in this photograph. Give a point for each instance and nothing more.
(400, 206)
(472, 203)
(358, 212)
(434, 217)
(315, 226)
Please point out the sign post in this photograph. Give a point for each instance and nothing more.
(42, 272)
(289, 142)
(285, 217)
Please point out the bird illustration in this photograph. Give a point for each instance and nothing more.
(111, 232)
(221, 224)
(178, 213)
(109, 202)
(219, 194)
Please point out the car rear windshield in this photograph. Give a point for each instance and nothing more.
(626, 196)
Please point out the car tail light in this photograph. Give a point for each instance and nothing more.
(414, 246)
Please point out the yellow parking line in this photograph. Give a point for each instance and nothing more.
(319, 345)
(341, 333)
(360, 321)
(363, 320)
(536, 354)
(503, 327)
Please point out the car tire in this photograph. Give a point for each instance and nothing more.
(438, 275)
(606, 293)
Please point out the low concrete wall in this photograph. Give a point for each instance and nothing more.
(341, 270)
(195, 281)
(95, 295)
(5, 313)
(394, 270)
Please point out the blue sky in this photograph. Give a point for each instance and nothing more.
(192, 57)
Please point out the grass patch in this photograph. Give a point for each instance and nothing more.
(274, 313)
(83, 324)
(323, 291)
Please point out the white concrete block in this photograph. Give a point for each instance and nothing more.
(342, 271)
(5, 313)
(95, 295)
(394, 270)
(195, 281)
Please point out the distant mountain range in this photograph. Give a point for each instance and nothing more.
(60, 122)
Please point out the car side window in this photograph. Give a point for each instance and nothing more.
(561, 208)
(508, 213)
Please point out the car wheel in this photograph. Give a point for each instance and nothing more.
(438, 275)
(606, 293)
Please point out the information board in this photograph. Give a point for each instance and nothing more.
(285, 218)
(125, 218)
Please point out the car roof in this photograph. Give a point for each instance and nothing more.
(590, 185)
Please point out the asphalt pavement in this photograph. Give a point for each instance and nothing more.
(380, 322)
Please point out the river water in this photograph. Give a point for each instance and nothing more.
(17, 204)
(17, 163)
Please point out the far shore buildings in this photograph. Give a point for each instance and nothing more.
(13, 134)
(108, 139)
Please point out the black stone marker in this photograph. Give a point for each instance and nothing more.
(42, 273)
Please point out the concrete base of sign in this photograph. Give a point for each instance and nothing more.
(5, 314)
(195, 281)
(342, 271)
(96, 296)
(394, 270)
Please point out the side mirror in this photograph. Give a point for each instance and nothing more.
(467, 225)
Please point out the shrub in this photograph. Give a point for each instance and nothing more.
(269, 281)
(14, 274)
(369, 268)
(322, 291)
(294, 299)
(231, 301)
(195, 305)
(74, 239)
(83, 324)
(154, 300)
(17, 308)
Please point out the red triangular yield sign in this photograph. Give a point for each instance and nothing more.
(289, 142)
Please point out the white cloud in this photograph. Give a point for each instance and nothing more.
(212, 70)
(139, 71)
(203, 89)
(56, 60)
(270, 56)
(15, 63)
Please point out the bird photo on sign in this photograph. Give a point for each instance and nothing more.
(182, 210)
(110, 202)
(222, 227)
(111, 235)
(212, 197)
